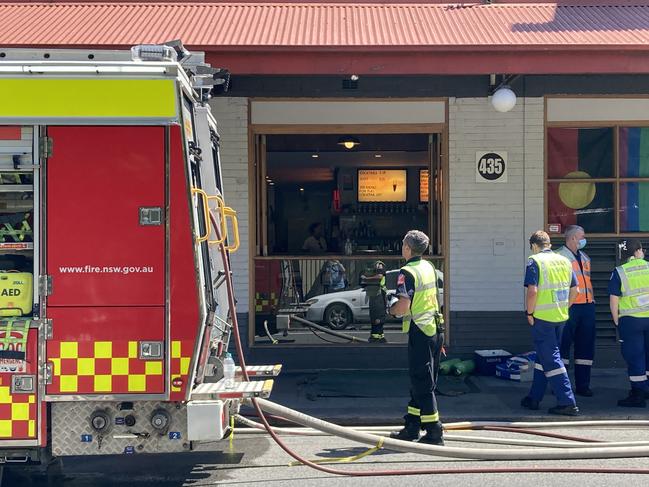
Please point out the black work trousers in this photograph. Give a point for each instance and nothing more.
(423, 355)
(378, 312)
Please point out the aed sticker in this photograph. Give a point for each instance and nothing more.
(174, 435)
(86, 438)
(129, 450)
(12, 365)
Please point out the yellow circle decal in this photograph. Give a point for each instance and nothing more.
(577, 195)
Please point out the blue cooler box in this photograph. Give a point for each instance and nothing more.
(487, 360)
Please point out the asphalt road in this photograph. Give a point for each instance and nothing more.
(257, 461)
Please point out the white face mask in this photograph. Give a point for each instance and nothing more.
(581, 244)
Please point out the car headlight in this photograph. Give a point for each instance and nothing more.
(311, 301)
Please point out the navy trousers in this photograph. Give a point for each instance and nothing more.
(549, 367)
(634, 338)
(580, 330)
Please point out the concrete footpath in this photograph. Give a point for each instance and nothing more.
(354, 397)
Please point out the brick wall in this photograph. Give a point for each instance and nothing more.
(483, 212)
(232, 118)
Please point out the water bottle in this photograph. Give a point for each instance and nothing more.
(228, 371)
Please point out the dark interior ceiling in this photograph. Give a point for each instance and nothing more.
(329, 142)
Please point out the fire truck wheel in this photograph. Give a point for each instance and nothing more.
(338, 316)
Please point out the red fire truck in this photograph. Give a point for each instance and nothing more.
(114, 311)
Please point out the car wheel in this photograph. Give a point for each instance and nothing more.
(338, 316)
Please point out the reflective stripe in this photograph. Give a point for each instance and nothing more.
(423, 317)
(631, 311)
(414, 411)
(550, 306)
(640, 290)
(429, 418)
(431, 285)
(567, 361)
(423, 287)
(538, 367)
(559, 371)
(637, 378)
(551, 286)
(583, 361)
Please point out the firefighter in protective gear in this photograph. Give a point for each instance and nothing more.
(551, 288)
(629, 302)
(419, 306)
(376, 291)
(580, 328)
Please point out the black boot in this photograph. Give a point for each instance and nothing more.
(636, 399)
(434, 434)
(409, 432)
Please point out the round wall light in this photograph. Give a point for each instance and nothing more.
(349, 142)
(504, 99)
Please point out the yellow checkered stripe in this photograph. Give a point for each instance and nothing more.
(264, 303)
(181, 358)
(18, 413)
(102, 367)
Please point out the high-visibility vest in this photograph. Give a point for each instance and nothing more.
(555, 275)
(583, 277)
(634, 276)
(424, 307)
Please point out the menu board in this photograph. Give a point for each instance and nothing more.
(382, 185)
(423, 185)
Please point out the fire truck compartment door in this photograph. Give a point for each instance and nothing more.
(105, 216)
(101, 350)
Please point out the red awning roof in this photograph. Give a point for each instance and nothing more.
(330, 38)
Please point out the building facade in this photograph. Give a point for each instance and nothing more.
(413, 84)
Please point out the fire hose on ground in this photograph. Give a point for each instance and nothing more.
(255, 428)
(322, 329)
(598, 451)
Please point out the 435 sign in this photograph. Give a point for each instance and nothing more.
(491, 167)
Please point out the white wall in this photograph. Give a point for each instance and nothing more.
(483, 212)
(232, 118)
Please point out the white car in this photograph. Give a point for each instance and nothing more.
(340, 309)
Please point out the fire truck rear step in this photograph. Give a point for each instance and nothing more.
(259, 371)
(240, 390)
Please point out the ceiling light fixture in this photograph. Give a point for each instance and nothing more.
(378, 155)
(315, 156)
(349, 142)
(503, 98)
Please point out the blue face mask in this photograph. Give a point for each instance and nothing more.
(582, 243)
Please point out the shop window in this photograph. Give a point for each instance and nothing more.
(329, 206)
(598, 178)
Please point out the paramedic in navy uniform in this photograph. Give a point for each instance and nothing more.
(551, 288)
